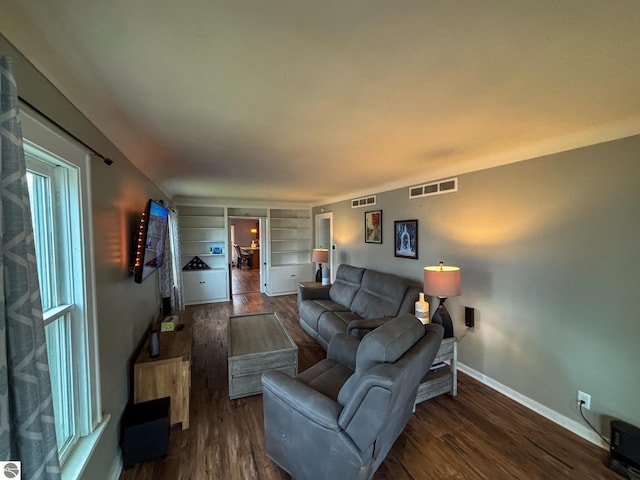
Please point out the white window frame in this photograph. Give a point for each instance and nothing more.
(60, 239)
(42, 138)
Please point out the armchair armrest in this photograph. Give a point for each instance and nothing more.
(359, 327)
(302, 398)
(372, 393)
(343, 349)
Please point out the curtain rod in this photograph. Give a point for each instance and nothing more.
(106, 160)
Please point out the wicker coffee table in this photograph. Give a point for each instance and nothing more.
(257, 343)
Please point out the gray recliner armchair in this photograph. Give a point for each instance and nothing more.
(339, 419)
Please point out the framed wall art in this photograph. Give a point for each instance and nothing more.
(406, 238)
(373, 226)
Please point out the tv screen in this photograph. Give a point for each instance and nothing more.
(151, 235)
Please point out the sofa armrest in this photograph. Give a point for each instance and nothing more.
(312, 292)
(359, 327)
(302, 398)
(343, 349)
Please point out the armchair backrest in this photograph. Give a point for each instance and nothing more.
(379, 397)
(389, 342)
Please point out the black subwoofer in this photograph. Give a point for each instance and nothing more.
(145, 431)
(625, 448)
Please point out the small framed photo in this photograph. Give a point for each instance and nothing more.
(406, 238)
(373, 226)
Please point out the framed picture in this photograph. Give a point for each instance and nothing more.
(373, 226)
(406, 238)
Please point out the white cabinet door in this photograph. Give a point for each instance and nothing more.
(203, 286)
(284, 280)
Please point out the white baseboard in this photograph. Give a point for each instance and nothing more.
(116, 467)
(571, 425)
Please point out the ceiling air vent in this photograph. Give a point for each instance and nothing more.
(363, 202)
(434, 188)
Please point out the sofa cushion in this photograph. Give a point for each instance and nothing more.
(346, 284)
(327, 377)
(311, 310)
(380, 295)
(331, 323)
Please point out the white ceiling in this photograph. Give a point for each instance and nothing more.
(305, 101)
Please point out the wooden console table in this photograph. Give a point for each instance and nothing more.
(168, 374)
(442, 378)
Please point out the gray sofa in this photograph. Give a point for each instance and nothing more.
(358, 301)
(339, 419)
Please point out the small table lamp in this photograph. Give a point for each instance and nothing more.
(254, 242)
(442, 282)
(319, 256)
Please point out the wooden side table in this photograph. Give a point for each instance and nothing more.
(168, 374)
(443, 377)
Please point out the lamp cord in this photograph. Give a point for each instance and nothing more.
(592, 427)
(464, 334)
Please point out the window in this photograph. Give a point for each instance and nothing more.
(58, 185)
(48, 192)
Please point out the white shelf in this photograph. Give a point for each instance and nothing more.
(205, 269)
(292, 265)
(202, 241)
(290, 228)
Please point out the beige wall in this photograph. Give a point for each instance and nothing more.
(124, 308)
(242, 230)
(549, 255)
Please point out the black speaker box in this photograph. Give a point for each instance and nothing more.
(625, 443)
(145, 431)
(469, 314)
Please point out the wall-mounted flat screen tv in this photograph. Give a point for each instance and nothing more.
(152, 232)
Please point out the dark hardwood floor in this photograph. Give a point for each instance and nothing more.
(480, 434)
(245, 281)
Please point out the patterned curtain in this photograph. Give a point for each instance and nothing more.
(27, 428)
(170, 271)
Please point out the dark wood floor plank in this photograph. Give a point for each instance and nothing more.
(478, 435)
(245, 281)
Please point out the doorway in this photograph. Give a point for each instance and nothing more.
(246, 240)
(324, 238)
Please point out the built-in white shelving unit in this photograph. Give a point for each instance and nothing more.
(203, 233)
(290, 249)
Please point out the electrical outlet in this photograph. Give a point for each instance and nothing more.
(585, 398)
